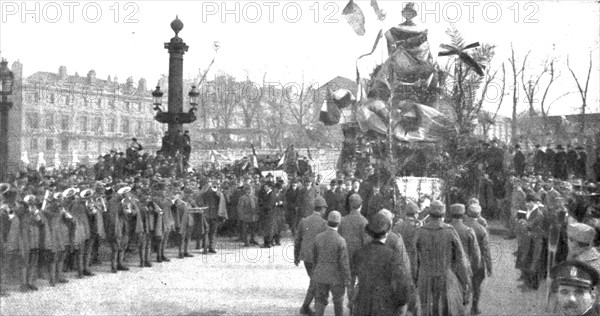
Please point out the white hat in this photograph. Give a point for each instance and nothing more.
(69, 193)
(86, 193)
(124, 190)
(29, 199)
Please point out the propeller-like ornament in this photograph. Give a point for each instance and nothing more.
(464, 57)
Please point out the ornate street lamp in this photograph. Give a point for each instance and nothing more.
(194, 98)
(6, 86)
(157, 96)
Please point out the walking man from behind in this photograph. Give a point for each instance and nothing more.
(332, 267)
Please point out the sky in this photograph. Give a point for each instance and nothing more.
(290, 42)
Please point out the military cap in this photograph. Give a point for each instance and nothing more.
(379, 224)
(334, 217)
(437, 208)
(474, 210)
(70, 192)
(411, 208)
(355, 201)
(575, 273)
(457, 209)
(559, 147)
(582, 233)
(4, 187)
(30, 199)
(388, 214)
(86, 193)
(320, 202)
(332, 183)
(473, 201)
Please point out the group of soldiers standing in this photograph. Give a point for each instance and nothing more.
(422, 264)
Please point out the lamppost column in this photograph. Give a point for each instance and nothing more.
(4, 109)
(177, 48)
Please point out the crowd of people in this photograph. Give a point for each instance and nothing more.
(349, 234)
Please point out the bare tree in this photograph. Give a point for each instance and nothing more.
(534, 85)
(516, 73)
(489, 118)
(223, 102)
(582, 91)
(300, 101)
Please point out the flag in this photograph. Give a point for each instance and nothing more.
(283, 158)
(254, 159)
(355, 17)
(330, 113)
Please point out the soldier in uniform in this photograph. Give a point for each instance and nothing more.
(531, 242)
(332, 267)
(560, 163)
(408, 230)
(308, 229)
(577, 293)
(479, 272)
(117, 230)
(144, 226)
(581, 245)
(163, 223)
(443, 272)
(383, 287)
(248, 215)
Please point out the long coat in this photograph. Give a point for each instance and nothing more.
(484, 248)
(144, 219)
(330, 253)
(184, 221)
(247, 209)
(352, 228)
(408, 230)
(97, 219)
(80, 231)
(266, 205)
(163, 219)
(308, 229)
(279, 212)
(531, 242)
(469, 243)
(443, 273)
(59, 227)
(117, 226)
(382, 286)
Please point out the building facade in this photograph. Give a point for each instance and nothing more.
(62, 119)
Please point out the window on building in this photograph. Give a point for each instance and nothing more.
(112, 126)
(98, 125)
(99, 103)
(49, 120)
(140, 108)
(37, 97)
(125, 126)
(49, 144)
(100, 148)
(127, 106)
(34, 144)
(85, 101)
(84, 123)
(64, 145)
(67, 99)
(33, 120)
(85, 145)
(64, 123)
(140, 128)
(52, 98)
(111, 103)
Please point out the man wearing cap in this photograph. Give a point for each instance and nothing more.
(580, 166)
(519, 161)
(577, 292)
(332, 267)
(248, 215)
(116, 231)
(306, 198)
(443, 273)
(291, 205)
(479, 272)
(581, 245)
(352, 228)
(266, 205)
(81, 209)
(184, 222)
(354, 190)
(279, 213)
(408, 230)
(560, 163)
(59, 222)
(308, 229)
(467, 236)
(383, 288)
(531, 231)
(331, 198)
(539, 160)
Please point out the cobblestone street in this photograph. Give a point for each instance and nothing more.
(235, 281)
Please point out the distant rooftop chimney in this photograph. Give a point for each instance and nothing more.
(142, 85)
(62, 72)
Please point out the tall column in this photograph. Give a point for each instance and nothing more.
(176, 48)
(4, 108)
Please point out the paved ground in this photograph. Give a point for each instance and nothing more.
(236, 281)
